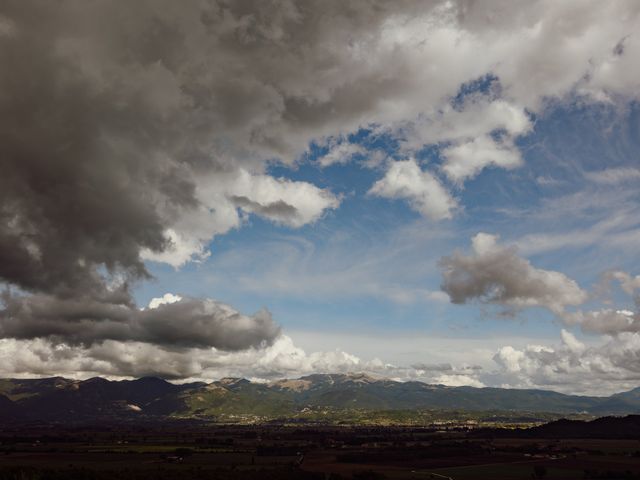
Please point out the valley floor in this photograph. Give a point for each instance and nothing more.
(203, 451)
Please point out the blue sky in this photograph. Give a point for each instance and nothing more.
(512, 204)
(371, 265)
(202, 189)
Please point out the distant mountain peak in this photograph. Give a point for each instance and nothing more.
(215, 387)
(296, 385)
(95, 380)
(356, 377)
(232, 381)
(152, 380)
(363, 378)
(101, 399)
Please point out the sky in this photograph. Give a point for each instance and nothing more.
(441, 191)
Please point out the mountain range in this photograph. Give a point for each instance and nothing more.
(61, 399)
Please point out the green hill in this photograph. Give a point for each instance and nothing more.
(98, 399)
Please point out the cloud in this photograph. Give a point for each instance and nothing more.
(546, 181)
(113, 129)
(279, 209)
(473, 135)
(628, 282)
(477, 115)
(459, 381)
(572, 366)
(167, 298)
(614, 176)
(282, 359)
(610, 321)
(341, 152)
(604, 321)
(618, 229)
(170, 321)
(447, 374)
(283, 201)
(221, 193)
(122, 141)
(466, 160)
(114, 135)
(494, 274)
(591, 216)
(405, 180)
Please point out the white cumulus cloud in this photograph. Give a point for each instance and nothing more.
(422, 190)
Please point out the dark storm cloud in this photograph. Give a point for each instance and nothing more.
(108, 114)
(111, 118)
(79, 176)
(189, 322)
(112, 112)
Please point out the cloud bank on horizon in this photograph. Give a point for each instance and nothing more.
(136, 135)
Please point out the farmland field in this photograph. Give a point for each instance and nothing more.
(208, 451)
